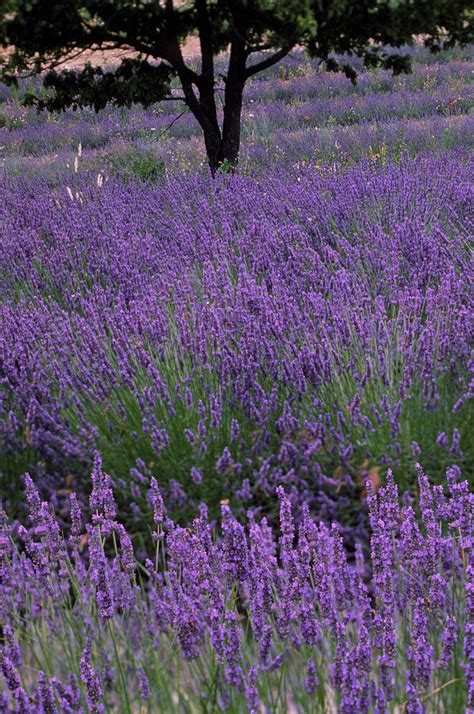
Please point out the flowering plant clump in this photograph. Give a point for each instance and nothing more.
(241, 617)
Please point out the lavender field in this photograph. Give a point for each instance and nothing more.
(237, 465)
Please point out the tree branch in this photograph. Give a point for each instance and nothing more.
(251, 49)
(164, 131)
(205, 40)
(187, 76)
(268, 62)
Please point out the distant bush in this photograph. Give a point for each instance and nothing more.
(132, 162)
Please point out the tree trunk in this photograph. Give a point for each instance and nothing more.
(228, 151)
(230, 144)
(213, 142)
(224, 149)
(233, 96)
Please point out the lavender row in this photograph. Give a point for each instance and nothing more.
(309, 100)
(239, 334)
(146, 159)
(236, 618)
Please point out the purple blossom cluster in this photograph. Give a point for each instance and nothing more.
(241, 617)
(238, 334)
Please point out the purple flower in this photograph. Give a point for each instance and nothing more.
(160, 438)
(100, 575)
(128, 558)
(234, 545)
(232, 651)
(469, 634)
(420, 651)
(442, 440)
(189, 436)
(251, 692)
(225, 463)
(144, 685)
(450, 637)
(311, 681)
(46, 695)
(69, 695)
(94, 688)
(265, 644)
(286, 526)
(102, 500)
(196, 475)
(189, 627)
(215, 405)
(274, 664)
(76, 517)
(309, 626)
(455, 449)
(32, 498)
(189, 398)
(234, 431)
(10, 674)
(11, 646)
(245, 493)
(156, 502)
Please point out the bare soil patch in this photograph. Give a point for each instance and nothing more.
(110, 56)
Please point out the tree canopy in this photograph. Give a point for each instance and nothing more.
(255, 33)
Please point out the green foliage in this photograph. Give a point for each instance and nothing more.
(226, 167)
(133, 163)
(448, 139)
(134, 82)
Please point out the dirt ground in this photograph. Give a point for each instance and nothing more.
(112, 56)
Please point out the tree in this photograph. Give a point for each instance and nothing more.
(256, 33)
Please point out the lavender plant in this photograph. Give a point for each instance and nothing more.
(236, 618)
(239, 335)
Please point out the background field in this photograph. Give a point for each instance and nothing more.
(271, 344)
